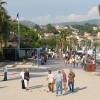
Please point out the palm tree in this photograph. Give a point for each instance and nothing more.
(2, 11)
(4, 25)
(63, 38)
(73, 43)
(99, 8)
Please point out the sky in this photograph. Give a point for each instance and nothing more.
(53, 11)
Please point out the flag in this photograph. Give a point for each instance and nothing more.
(17, 17)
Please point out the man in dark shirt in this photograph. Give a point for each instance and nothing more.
(71, 77)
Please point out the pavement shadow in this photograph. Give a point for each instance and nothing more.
(56, 68)
(97, 74)
(18, 77)
(52, 63)
(14, 73)
(36, 87)
(35, 70)
(77, 89)
(8, 63)
(35, 75)
(39, 70)
(11, 79)
(3, 87)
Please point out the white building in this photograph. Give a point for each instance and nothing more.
(98, 35)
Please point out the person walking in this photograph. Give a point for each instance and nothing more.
(22, 78)
(77, 60)
(5, 70)
(58, 81)
(26, 79)
(71, 61)
(71, 77)
(64, 81)
(50, 79)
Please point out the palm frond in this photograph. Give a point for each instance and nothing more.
(99, 8)
(3, 3)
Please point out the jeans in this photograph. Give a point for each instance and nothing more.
(71, 86)
(58, 87)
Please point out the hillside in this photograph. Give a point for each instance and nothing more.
(93, 21)
(27, 23)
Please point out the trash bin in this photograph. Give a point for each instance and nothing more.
(90, 67)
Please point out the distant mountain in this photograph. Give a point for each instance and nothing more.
(27, 23)
(93, 21)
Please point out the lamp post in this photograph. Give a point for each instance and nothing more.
(18, 31)
(95, 50)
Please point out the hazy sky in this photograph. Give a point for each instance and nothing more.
(51, 11)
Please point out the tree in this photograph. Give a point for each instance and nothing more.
(73, 43)
(49, 42)
(86, 28)
(51, 29)
(99, 8)
(36, 27)
(2, 11)
(86, 42)
(4, 25)
(28, 36)
(63, 37)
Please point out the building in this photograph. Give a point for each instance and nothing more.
(86, 34)
(47, 35)
(98, 35)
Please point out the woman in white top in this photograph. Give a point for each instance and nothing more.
(50, 79)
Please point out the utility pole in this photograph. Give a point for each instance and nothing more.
(18, 33)
(95, 51)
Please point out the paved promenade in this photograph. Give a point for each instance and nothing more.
(87, 85)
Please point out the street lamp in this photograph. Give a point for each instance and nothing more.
(18, 31)
(95, 49)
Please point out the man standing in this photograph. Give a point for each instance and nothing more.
(58, 80)
(22, 79)
(26, 79)
(5, 70)
(71, 77)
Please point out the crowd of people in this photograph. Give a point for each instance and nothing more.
(61, 81)
(78, 60)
